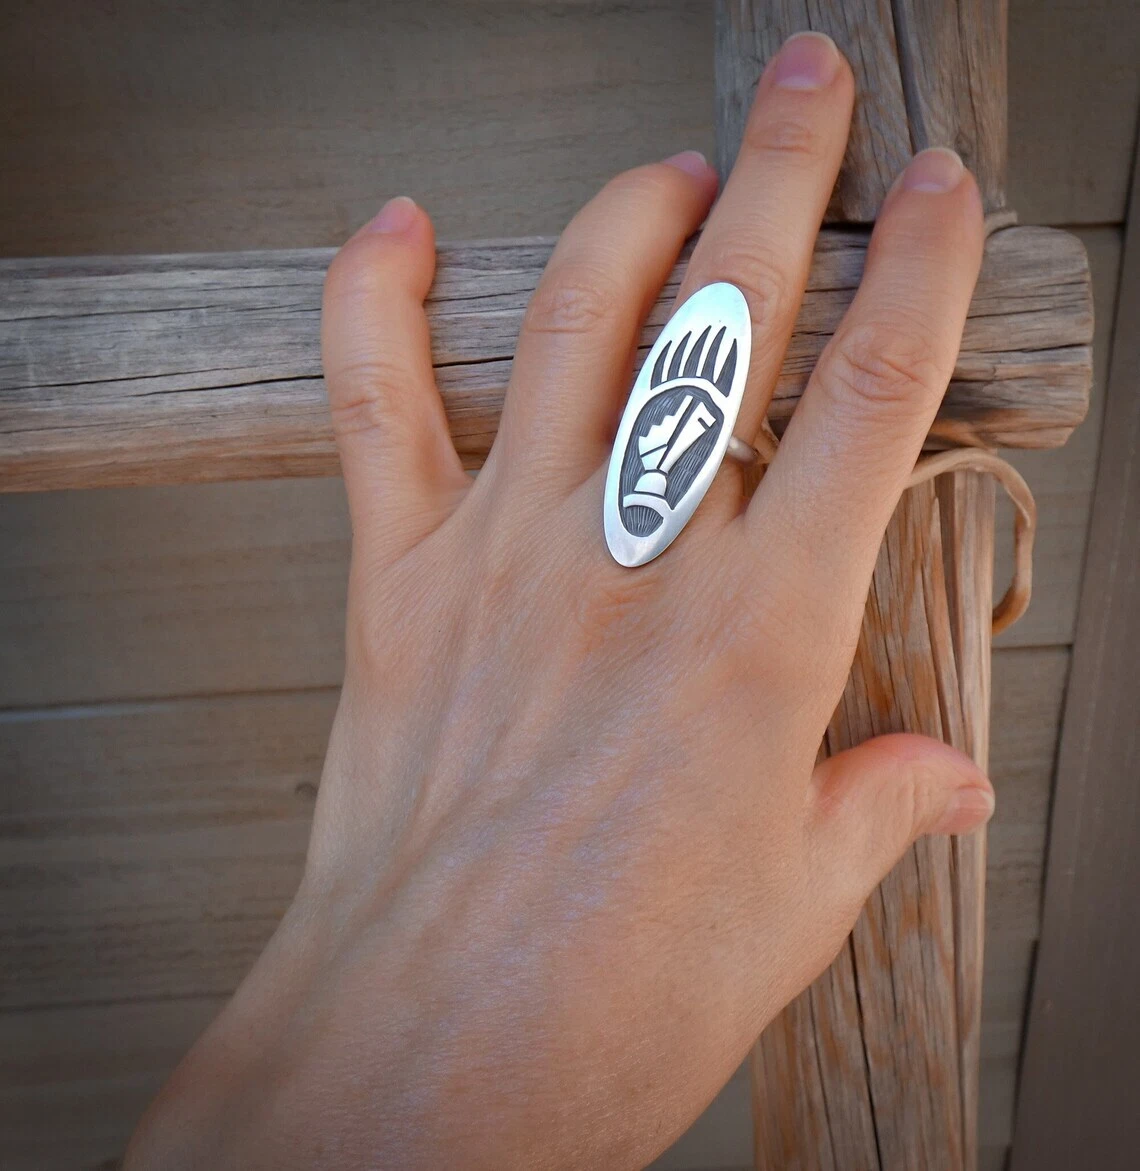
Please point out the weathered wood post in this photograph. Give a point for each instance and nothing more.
(876, 1065)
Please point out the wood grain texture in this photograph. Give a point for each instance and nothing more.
(1062, 481)
(152, 850)
(149, 593)
(1082, 1053)
(202, 589)
(966, 519)
(74, 1081)
(215, 589)
(925, 75)
(875, 1065)
(134, 127)
(146, 849)
(1074, 97)
(244, 585)
(166, 369)
(139, 127)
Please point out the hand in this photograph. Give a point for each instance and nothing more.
(571, 849)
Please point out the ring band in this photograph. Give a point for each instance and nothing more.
(744, 453)
(677, 425)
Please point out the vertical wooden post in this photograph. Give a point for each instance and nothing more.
(876, 1065)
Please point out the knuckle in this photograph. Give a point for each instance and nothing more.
(883, 368)
(360, 395)
(353, 273)
(921, 797)
(790, 135)
(754, 271)
(575, 299)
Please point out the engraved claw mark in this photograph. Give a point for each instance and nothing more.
(686, 360)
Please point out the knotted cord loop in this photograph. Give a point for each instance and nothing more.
(1015, 600)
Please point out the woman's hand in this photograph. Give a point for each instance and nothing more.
(571, 849)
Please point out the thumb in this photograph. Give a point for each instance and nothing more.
(873, 801)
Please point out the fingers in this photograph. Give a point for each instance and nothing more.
(871, 802)
(572, 364)
(857, 431)
(762, 233)
(400, 468)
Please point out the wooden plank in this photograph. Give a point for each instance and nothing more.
(747, 37)
(167, 369)
(877, 1064)
(197, 590)
(1082, 1052)
(1074, 96)
(966, 516)
(140, 127)
(110, 141)
(149, 593)
(160, 843)
(1062, 482)
(163, 592)
(1028, 692)
(999, 1072)
(168, 834)
(925, 75)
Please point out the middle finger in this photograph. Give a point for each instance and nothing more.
(762, 232)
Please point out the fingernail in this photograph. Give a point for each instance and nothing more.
(692, 162)
(936, 170)
(397, 215)
(968, 809)
(807, 60)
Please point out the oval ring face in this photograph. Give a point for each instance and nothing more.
(677, 423)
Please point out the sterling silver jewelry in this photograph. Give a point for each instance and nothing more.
(677, 425)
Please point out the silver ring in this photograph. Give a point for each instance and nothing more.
(677, 425)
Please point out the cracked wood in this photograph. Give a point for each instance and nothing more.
(928, 73)
(172, 369)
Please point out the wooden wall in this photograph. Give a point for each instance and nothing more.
(169, 657)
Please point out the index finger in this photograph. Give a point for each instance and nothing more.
(869, 404)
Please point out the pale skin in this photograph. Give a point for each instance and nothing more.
(572, 849)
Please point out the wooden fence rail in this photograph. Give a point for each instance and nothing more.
(167, 369)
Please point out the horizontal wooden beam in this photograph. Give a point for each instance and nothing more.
(168, 369)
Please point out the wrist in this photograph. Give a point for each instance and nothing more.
(213, 1111)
